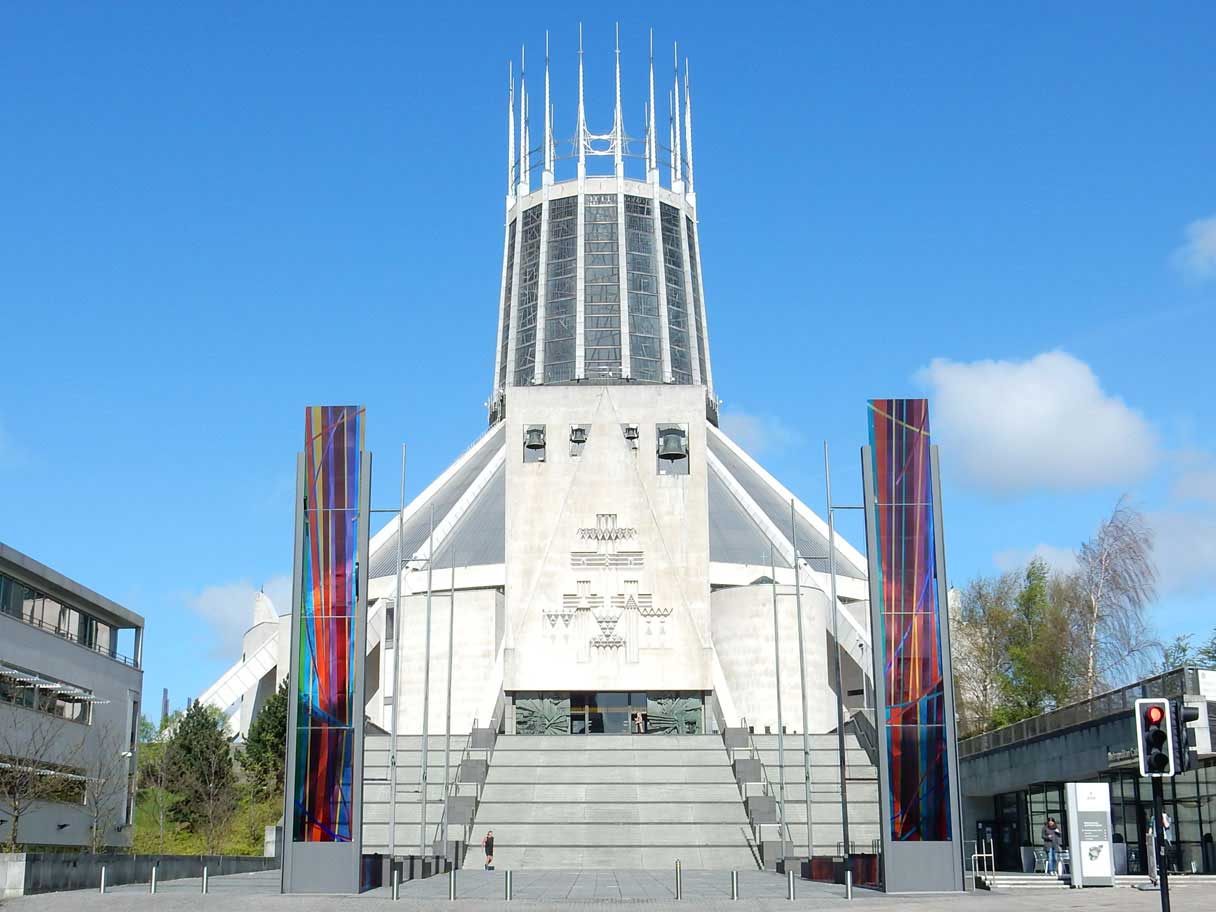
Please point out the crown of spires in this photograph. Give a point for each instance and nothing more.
(615, 143)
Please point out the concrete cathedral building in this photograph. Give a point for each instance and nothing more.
(603, 555)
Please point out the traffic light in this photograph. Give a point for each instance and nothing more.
(1185, 751)
(1155, 741)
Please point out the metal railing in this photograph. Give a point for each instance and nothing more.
(983, 860)
(766, 788)
(1173, 683)
(110, 652)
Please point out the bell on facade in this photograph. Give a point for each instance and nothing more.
(578, 435)
(534, 439)
(672, 446)
(631, 432)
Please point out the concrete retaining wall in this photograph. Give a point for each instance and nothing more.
(49, 872)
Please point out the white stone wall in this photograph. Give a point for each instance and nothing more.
(473, 660)
(560, 633)
(743, 637)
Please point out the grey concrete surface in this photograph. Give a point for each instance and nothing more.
(704, 891)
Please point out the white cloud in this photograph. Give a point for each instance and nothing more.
(228, 611)
(1197, 483)
(1062, 560)
(1184, 549)
(758, 434)
(1045, 423)
(1196, 257)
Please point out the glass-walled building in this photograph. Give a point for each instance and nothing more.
(1013, 778)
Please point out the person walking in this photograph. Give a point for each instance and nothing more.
(487, 843)
(1051, 844)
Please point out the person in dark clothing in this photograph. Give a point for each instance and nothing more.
(1051, 844)
(487, 842)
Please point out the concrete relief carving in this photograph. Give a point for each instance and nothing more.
(607, 613)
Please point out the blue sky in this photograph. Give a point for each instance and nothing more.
(1000, 207)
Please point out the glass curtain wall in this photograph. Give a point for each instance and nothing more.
(644, 348)
(677, 305)
(694, 277)
(506, 306)
(560, 291)
(529, 286)
(602, 289)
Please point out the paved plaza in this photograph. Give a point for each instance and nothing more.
(704, 891)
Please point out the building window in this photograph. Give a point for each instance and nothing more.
(20, 687)
(38, 610)
(644, 349)
(529, 286)
(677, 305)
(602, 286)
(561, 264)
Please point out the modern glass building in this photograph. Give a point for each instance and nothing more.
(1013, 777)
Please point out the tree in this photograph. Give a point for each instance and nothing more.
(1177, 653)
(154, 787)
(36, 751)
(1117, 578)
(265, 751)
(147, 729)
(201, 774)
(105, 784)
(980, 645)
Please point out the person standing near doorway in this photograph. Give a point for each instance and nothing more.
(1051, 845)
(487, 842)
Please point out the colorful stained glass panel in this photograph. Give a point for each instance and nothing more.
(328, 663)
(910, 635)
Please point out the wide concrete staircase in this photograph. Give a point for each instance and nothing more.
(827, 831)
(409, 807)
(613, 801)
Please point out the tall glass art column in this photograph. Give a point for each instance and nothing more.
(918, 766)
(323, 843)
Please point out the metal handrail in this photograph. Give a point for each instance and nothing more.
(765, 785)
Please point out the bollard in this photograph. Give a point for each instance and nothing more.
(452, 884)
(789, 885)
(734, 884)
(152, 882)
(103, 879)
(204, 878)
(848, 884)
(507, 887)
(396, 884)
(679, 881)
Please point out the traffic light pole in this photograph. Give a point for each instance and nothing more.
(1159, 849)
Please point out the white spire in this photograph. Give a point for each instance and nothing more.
(525, 176)
(547, 177)
(652, 160)
(582, 119)
(510, 129)
(677, 163)
(618, 120)
(688, 125)
(671, 138)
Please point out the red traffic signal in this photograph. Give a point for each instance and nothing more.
(1154, 738)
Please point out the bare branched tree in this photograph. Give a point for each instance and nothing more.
(154, 788)
(215, 790)
(979, 642)
(36, 752)
(1117, 580)
(105, 788)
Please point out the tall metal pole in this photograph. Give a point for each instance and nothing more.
(447, 724)
(806, 714)
(772, 561)
(426, 687)
(835, 607)
(1163, 858)
(392, 725)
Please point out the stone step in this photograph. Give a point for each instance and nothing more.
(589, 858)
(659, 812)
(572, 791)
(601, 743)
(537, 775)
(542, 758)
(507, 833)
